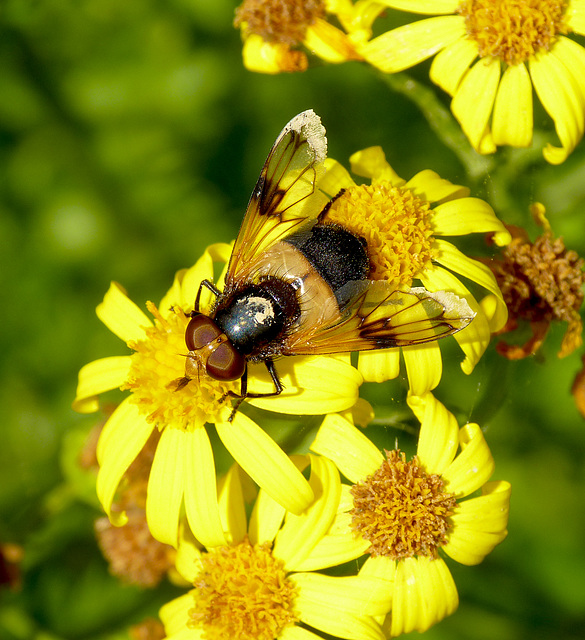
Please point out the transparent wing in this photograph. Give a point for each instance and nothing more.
(382, 317)
(285, 197)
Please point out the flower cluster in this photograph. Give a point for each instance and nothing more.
(289, 569)
(489, 55)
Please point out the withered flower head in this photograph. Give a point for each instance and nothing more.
(279, 21)
(542, 282)
(132, 553)
(149, 629)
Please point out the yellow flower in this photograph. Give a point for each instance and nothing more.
(256, 586)
(273, 30)
(402, 223)
(183, 473)
(490, 55)
(404, 513)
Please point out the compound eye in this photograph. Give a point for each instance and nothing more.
(200, 331)
(225, 363)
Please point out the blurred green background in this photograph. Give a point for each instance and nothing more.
(130, 138)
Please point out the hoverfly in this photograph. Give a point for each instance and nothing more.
(297, 284)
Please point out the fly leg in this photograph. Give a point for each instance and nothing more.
(244, 388)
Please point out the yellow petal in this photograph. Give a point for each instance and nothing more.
(488, 512)
(334, 550)
(268, 57)
(335, 179)
(166, 484)
(575, 16)
(172, 297)
(429, 186)
(361, 414)
(424, 593)
(323, 603)
(449, 256)
(468, 215)
(266, 519)
(474, 100)
(175, 614)
(190, 281)
(410, 44)
(561, 95)
(301, 533)
(475, 338)
(356, 20)
(361, 595)
(424, 367)
(305, 392)
(371, 163)
(201, 503)
(381, 567)
(294, 632)
(188, 557)
(572, 55)
(473, 466)
(98, 377)
(265, 462)
(122, 317)
(232, 509)
(187, 634)
(512, 119)
(439, 433)
(379, 366)
(470, 547)
(123, 437)
(354, 454)
(345, 501)
(221, 252)
(452, 63)
(479, 524)
(329, 43)
(436, 7)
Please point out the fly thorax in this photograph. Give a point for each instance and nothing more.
(251, 320)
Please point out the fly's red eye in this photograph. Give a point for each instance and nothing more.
(200, 331)
(225, 363)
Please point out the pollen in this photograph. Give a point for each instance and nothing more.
(279, 21)
(157, 377)
(513, 30)
(394, 222)
(242, 592)
(401, 510)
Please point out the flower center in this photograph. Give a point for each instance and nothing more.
(157, 377)
(395, 224)
(242, 592)
(401, 510)
(279, 21)
(513, 30)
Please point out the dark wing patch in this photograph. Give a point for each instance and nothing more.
(382, 317)
(285, 197)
